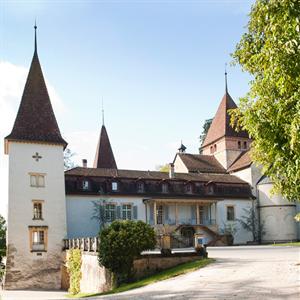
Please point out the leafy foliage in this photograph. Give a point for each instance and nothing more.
(270, 112)
(99, 213)
(205, 129)
(121, 243)
(2, 238)
(68, 162)
(74, 270)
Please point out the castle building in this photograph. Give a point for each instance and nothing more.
(203, 193)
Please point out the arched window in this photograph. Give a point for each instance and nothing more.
(245, 145)
(239, 145)
(215, 147)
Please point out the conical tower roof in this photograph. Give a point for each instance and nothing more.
(104, 157)
(220, 126)
(35, 121)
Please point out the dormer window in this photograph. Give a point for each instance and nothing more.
(188, 188)
(114, 186)
(85, 185)
(239, 145)
(140, 187)
(164, 188)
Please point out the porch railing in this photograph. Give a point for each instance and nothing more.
(185, 222)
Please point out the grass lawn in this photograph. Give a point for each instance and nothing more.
(294, 244)
(168, 273)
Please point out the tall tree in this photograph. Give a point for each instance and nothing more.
(205, 128)
(270, 112)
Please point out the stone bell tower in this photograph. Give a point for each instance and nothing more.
(36, 223)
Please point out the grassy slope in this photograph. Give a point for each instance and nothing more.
(288, 244)
(172, 272)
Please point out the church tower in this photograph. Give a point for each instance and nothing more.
(222, 140)
(36, 199)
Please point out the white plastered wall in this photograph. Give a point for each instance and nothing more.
(241, 236)
(179, 166)
(20, 215)
(80, 210)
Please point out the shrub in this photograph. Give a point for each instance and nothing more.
(74, 270)
(121, 243)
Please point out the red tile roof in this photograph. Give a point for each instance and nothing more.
(136, 174)
(220, 126)
(243, 161)
(104, 157)
(35, 121)
(201, 163)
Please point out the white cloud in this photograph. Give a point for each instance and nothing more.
(12, 81)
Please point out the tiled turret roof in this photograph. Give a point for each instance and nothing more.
(220, 126)
(35, 121)
(104, 157)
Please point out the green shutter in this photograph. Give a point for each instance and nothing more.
(135, 212)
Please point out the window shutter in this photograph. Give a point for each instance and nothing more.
(166, 208)
(151, 211)
(193, 214)
(135, 212)
(119, 212)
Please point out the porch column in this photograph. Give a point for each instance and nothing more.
(176, 213)
(154, 212)
(197, 214)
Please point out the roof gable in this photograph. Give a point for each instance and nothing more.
(243, 161)
(220, 126)
(198, 163)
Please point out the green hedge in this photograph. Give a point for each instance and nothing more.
(74, 270)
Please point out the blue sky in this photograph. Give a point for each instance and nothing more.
(159, 65)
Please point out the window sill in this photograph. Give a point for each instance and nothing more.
(36, 219)
(34, 251)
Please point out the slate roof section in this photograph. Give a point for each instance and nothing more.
(198, 163)
(220, 126)
(35, 121)
(243, 161)
(104, 157)
(155, 175)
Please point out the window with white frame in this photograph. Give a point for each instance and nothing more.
(230, 213)
(126, 211)
(160, 213)
(37, 180)
(140, 187)
(38, 238)
(85, 185)
(110, 212)
(37, 210)
(114, 186)
(165, 188)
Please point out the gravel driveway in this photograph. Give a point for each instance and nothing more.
(252, 272)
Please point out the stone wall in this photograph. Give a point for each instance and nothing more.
(97, 279)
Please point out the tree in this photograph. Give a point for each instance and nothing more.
(270, 112)
(249, 221)
(2, 238)
(99, 213)
(163, 168)
(205, 129)
(121, 243)
(68, 162)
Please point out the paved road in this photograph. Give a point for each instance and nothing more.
(254, 272)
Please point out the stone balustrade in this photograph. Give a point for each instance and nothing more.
(89, 244)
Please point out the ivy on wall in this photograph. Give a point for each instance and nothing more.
(74, 270)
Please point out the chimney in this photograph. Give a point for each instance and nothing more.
(84, 163)
(171, 171)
